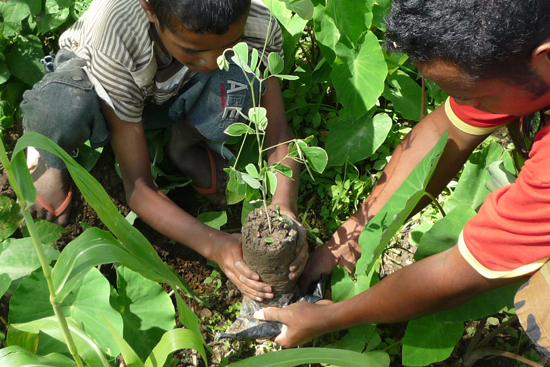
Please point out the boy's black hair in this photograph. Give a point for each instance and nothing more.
(199, 16)
(485, 38)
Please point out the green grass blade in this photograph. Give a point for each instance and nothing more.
(171, 341)
(295, 357)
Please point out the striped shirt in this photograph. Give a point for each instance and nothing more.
(125, 61)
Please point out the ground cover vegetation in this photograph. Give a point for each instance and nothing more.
(64, 303)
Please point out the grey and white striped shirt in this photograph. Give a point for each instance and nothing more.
(115, 39)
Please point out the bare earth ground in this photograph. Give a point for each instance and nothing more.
(222, 295)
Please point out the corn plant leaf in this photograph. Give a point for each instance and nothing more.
(23, 178)
(380, 229)
(89, 351)
(427, 341)
(15, 356)
(18, 257)
(132, 240)
(93, 247)
(295, 357)
(172, 341)
(84, 304)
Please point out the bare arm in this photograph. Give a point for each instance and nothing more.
(343, 249)
(156, 209)
(439, 282)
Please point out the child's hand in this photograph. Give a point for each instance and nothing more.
(302, 253)
(230, 259)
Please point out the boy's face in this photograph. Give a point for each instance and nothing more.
(492, 95)
(199, 51)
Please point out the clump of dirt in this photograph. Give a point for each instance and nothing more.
(269, 247)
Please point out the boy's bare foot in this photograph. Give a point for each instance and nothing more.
(54, 191)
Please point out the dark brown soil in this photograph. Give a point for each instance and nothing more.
(269, 248)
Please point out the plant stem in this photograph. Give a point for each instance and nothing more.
(436, 203)
(35, 237)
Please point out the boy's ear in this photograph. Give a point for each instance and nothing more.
(541, 52)
(148, 10)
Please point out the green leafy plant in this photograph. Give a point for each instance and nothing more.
(262, 177)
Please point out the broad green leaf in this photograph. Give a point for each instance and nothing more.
(146, 308)
(344, 286)
(48, 232)
(354, 141)
(15, 356)
(23, 339)
(282, 168)
(172, 341)
(93, 300)
(427, 341)
(295, 357)
(4, 72)
(486, 304)
(471, 189)
(418, 232)
(18, 257)
(131, 359)
(358, 76)
(213, 219)
(405, 94)
(444, 233)
(499, 176)
(380, 229)
(10, 217)
(52, 21)
(5, 282)
(353, 18)
(15, 11)
(238, 129)
(357, 338)
(326, 33)
(86, 346)
(304, 8)
(292, 26)
(23, 60)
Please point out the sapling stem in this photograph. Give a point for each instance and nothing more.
(35, 237)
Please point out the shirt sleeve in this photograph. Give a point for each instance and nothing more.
(510, 236)
(473, 121)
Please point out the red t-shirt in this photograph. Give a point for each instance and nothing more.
(510, 236)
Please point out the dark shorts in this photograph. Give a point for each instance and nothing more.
(64, 106)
